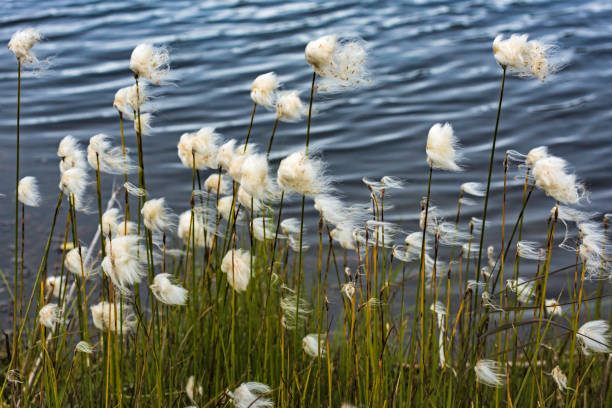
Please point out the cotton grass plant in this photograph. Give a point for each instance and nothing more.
(228, 303)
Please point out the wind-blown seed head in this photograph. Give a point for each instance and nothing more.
(302, 174)
(149, 62)
(143, 125)
(187, 230)
(291, 228)
(216, 182)
(49, 315)
(75, 262)
(27, 191)
(191, 390)
(199, 148)
(84, 347)
(167, 292)
(527, 58)
(314, 344)
(107, 316)
(289, 107)
(21, 44)
(348, 290)
(592, 249)
(551, 176)
(523, 289)
(472, 188)
(156, 215)
(263, 89)
(343, 234)
(342, 64)
(123, 261)
(263, 228)
(110, 221)
(560, 378)
(440, 311)
(224, 206)
(126, 227)
(319, 52)
(238, 158)
(553, 308)
(248, 201)
(442, 148)
(530, 250)
(73, 183)
(255, 178)
(536, 154)
(236, 266)
(121, 102)
(226, 154)
(109, 159)
(55, 283)
(331, 209)
(70, 154)
(488, 372)
(251, 395)
(295, 311)
(594, 337)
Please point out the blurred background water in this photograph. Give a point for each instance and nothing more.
(431, 62)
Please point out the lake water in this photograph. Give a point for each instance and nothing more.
(431, 62)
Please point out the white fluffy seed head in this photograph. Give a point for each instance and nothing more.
(343, 234)
(110, 221)
(348, 290)
(84, 347)
(142, 124)
(55, 284)
(236, 266)
(226, 154)
(167, 292)
(527, 58)
(472, 188)
(263, 89)
(442, 148)
(224, 206)
(251, 395)
(126, 228)
(536, 154)
(21, 44)
(218, 183)
(123, 261)
(289, 106)
(523, 289)
(295, 311)
(121, 102)
(107, 316)
(302, 174)
(149, 62)
(263, 228)
(319, 52)
(49, 315)
(559, 378)
(330, 208)
(553, 308)
(74, 183)
(70, 154)
(255, 178)
(199, 149)
(101, 155)
(248, 201)
(314, 344)
(27, 191)
(488, 372)
(75, 262)
(551, 176)
(189, 231)
(594, 337)
(530, 250)
(156, 215)
(238, 158)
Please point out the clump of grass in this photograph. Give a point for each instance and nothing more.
(223, 313)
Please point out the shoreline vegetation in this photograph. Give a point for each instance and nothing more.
(213, 307)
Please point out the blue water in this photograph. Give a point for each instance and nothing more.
(431, 62)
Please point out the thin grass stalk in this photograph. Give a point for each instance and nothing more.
(486, 201)
(16, 259)
(125, 176)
